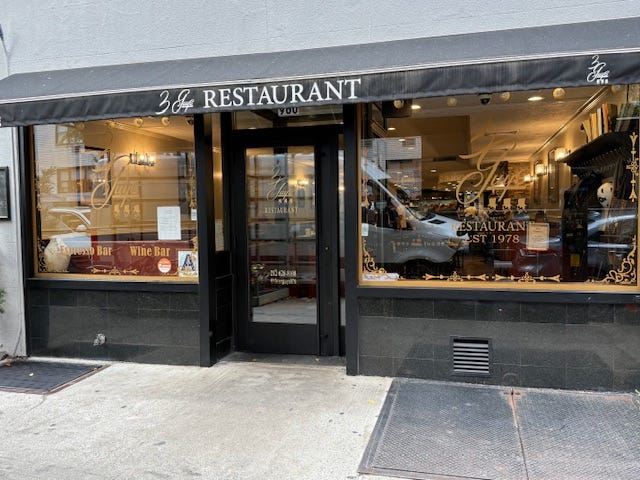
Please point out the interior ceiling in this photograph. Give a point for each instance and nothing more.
(514, 130)
(178, 127)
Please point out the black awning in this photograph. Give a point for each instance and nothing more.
(529, 58)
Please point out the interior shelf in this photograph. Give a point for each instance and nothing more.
(600, 155)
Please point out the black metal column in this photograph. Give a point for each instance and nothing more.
(351, 221)
(328, 247)
(206, 237)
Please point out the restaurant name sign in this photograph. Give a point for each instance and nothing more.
(295, 93)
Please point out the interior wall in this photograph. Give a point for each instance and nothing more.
(572, 137)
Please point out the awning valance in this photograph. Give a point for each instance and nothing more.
(592, 53)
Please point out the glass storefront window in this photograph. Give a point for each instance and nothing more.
(116, 199)
(522, 188)
(218, 187)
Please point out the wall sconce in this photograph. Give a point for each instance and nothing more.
(540, 169)
(143, 159)
(558, 153)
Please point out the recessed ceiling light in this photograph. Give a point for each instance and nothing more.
(391, 129)
(415, 106)
(535, 98)
(433, 170)
(401, 140)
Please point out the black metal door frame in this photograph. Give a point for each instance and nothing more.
(324, 337)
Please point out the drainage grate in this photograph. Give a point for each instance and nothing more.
(28, 376)
(444, 431)
(452, 431)
(471, 356)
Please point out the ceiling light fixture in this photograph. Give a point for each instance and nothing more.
(505, 96)
(535, 98)
(559, 93)
(391, 129)
(165, 121)
(452, 101)
(415, 107)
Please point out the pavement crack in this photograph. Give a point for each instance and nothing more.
(43, 398)
(512, 404)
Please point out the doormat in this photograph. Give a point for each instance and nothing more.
(431, 430)
(26, 376)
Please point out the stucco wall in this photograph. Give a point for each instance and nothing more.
(46, 35)
(43, 35)
(12, 339)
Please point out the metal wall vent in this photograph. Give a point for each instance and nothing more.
(471, 356)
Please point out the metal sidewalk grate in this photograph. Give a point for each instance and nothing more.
(28, 376)
(429, 430)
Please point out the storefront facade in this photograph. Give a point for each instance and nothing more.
(458, 208)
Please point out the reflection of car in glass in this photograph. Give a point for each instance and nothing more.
(609, 241)
(67, 229)
(59, 220)
(404, 241)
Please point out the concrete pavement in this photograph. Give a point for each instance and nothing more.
(237, 420)
(302, 418)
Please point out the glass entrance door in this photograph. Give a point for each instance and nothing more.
(288, 258)
(281, 234)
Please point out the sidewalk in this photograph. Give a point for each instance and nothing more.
(305, 419)
(233, 421)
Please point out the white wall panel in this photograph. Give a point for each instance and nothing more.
(63, 34)
(12, 320)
